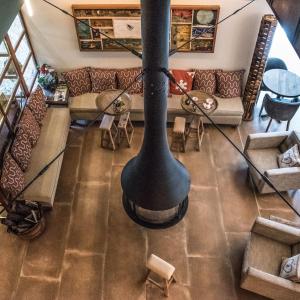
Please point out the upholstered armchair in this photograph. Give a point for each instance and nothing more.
(262, 149)
(268, 243)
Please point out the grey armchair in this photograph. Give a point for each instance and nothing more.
(269, 241)
(262, 149)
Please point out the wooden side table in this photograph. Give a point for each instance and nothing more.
(208, 104)
(60, 97)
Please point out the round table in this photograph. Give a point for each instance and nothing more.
(119, 107)
(282, 82)
(208, 104)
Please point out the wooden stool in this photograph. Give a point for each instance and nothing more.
(178, 135)
(107, 136)
(163, 269)
(196, 131)
(125, 128)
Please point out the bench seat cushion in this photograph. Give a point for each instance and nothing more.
(85, 104)
(54, 133)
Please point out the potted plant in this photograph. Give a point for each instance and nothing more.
(47, 78)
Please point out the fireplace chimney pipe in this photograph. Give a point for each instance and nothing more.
(155, 185)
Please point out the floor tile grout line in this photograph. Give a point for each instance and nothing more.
(71, 215)
(221, 209)
(106, 235)
(13, 295)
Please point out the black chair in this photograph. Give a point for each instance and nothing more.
(272, 63)
(280, 110)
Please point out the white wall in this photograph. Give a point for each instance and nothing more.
(54, 38)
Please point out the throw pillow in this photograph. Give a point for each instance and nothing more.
(184, 79)
(205, 81)
(126, 77)
(21, 149)
(290, 158)
(230, 83)
(78, 81)
(102, 80)
(290, 268)
(29, 125)
(37, 105)
(12, 178)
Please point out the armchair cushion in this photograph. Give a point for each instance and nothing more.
(290, 158)
(264, 159)
(266, 254)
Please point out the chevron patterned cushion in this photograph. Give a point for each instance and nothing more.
(126, 77)
(21, 149)
(205, 81)
(78, 81)
(37, 105)
(12, 178)
(29, 125)
(102, 79)
(230, 83)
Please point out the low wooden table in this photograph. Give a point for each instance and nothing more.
(208, 104)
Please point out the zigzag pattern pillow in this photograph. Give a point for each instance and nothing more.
(205, 81)
(230, 83)
(102, 80)
(78, 81)
(21, 149)
(126, 76)
(37, 105)
(29, 125)
(12, 178)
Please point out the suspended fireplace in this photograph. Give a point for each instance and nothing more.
(155, 185)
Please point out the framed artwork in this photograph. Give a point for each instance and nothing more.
(127, 29)
(123, 23)
(83, 31)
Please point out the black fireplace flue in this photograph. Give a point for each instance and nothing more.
(155, 185)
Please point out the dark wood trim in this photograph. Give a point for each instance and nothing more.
(16, 63)
(26, 62)
(19, 41)
(5, 69)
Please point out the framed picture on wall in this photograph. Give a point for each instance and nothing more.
(123, 23)
(127, 29)
(83, 30)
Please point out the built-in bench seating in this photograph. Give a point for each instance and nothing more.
(230, 110)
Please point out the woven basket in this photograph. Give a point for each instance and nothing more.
(35, 231)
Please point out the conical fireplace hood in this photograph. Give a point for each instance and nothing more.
(155, 185)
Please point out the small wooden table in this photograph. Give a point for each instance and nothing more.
(121, 106)
(208, 104)
(282, 83)
(59, 97)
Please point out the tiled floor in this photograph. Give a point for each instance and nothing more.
(92, 250)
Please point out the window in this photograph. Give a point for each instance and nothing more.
(18, 73)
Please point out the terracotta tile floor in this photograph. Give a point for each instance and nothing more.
(92, 250)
